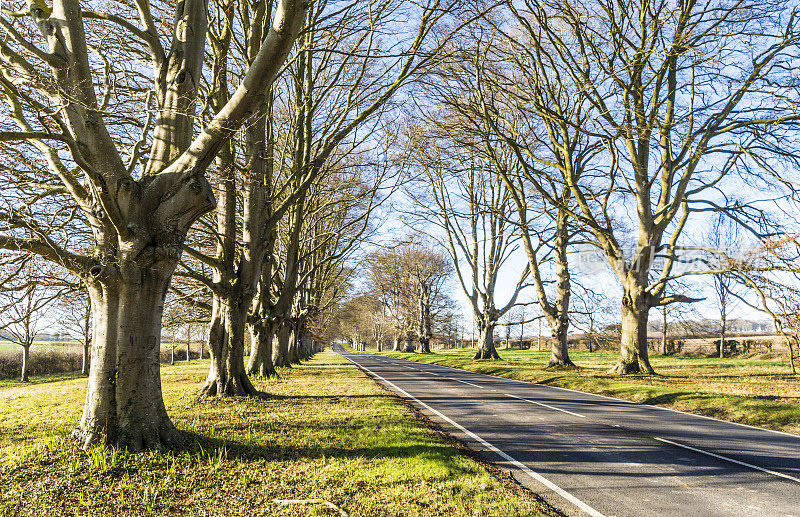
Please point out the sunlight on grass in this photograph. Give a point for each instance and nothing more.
(325, 433)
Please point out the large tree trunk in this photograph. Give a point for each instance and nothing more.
(260, 362)
(280, 346)
(396, 344)
(226, 376)
(558, 314)
(485, 345)
(559, 355)
(124, 405)
(26, 351)
(633, 344)
(294, 343)
(424, 345)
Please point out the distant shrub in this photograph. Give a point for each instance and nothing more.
(65, 359)
(43, 361)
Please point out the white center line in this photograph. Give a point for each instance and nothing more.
(731, 460)
(544, 405)
(535, 475)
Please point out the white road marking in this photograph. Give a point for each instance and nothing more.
(465, 382)
(535, 475)
(725, 458)
(544, 405)
(663, 440)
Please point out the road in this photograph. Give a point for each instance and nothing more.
(595, 455)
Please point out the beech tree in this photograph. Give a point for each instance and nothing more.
(23, 300)
(467, 92)
(75, 318)
(123, 146)
(462, 204)
(304, 125)
(683, 99)
(410, 282)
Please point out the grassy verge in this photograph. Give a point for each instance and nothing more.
(325, 439)
(756, 392)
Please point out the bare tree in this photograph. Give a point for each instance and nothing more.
(75, 318)
(646, 80)
(410, 283)
(136, 177)
(23, 299)
(771, 272)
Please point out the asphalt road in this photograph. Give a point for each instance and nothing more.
(595, 455)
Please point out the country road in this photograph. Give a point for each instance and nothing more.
(595, 455)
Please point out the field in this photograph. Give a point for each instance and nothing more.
(326, 440)
(758, 392)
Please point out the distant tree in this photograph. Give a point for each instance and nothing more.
(772, 272)
(75, 318)
(725, 238)
(24, 297)
(410, 281)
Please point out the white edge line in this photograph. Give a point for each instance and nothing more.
(612, 398)
(663, 440)
(538, 477)
(544, 405)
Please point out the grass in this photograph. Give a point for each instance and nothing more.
(758, 392)
(325, 439)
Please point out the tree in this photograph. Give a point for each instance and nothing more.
(724, 238)
(676, 108)
(23, 300)
(75, 318)
(469, 89)
(771, 272)
(308, 122)
(409, 282)
(136, 177)
(468, 203)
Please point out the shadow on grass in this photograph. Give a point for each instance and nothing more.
(201, 445)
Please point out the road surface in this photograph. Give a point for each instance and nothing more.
(595, 455)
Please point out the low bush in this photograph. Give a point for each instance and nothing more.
(65, 359)
(42, 361)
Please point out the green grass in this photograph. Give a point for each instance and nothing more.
(751, 391)
(326, 435)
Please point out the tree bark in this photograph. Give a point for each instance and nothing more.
(280, 346)
(485, 345)
(558, 313)
(633, 343)
(226, 376)
(26, 350)
(294, 343)
(260, 363)
(124, 404)
(559, 355)
(425, 345)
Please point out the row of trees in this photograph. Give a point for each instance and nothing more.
(405, 300)
(228, 155)
(624, 126)
(222, 153)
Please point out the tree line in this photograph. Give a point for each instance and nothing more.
(230, 157)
